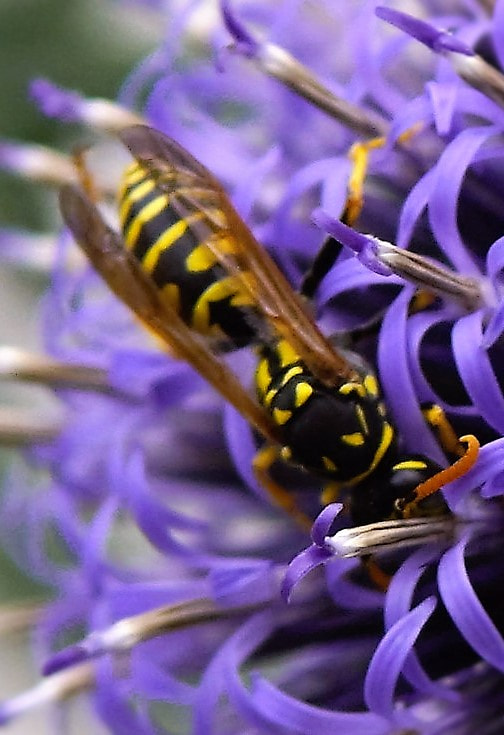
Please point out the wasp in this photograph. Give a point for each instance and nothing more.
(191, 270)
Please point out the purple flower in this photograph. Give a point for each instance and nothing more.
(170, 567)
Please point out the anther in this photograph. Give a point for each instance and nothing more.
(389, 535)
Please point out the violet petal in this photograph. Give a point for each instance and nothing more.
(450, 170)
(466, 610)
(300, 566)
(397, 384)
(54, 101)
(397, 605)
(424, 32)
(306, 719)
(389, 658)
(476, 370)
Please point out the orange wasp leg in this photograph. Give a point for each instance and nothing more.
(376, 574)
(330, 493)
(84, 175)
(359, 156)
(436, 419)
(437, 481)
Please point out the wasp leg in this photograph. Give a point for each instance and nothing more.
(331, 248)
(320, 267)
(330, 493)
(359, 156)
(326, 257)
(376, 574)
(430, 486)
(261, 464)
(322, 264)
(443, 430)
(84, 175)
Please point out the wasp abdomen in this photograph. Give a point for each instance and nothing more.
(171, 249)
(339, 431)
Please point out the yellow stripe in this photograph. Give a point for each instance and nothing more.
(348, 388)
(134, 196)
(133, 174)
(410, 464)
(217, 291)
(203, 256)
(329, 464)
(286, 353)
(361, 416)
(371, 384)
(147, 213)
(386, 439)
(354, 440)
(243, 285)
(303, 392)
(262, 377)
(164, 241)
(291, 373)
(280, 416)
(269, 397)
(200, 259)
(170, 294)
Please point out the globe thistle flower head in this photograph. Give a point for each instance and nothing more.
(173, 568)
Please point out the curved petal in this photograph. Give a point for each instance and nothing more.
(286, 712)
(397, 381)
(466, 610)
(450, 171)
(397, 605)
(476, 370)
(389, 658)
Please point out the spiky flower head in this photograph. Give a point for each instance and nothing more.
(170, 562)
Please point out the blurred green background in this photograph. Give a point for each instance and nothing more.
(89, 45)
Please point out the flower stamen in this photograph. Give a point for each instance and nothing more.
(386, 259)
(37, 163)
(70, 106)
(469, 66)
(54, 689)
(49, 167)
(34, 368)
(390, 535)
(19, 427)
(128, 632)
(278, 63)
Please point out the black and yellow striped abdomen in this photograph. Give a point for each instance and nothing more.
(171, 249)
(340, 432)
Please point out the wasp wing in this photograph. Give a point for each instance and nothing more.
(125, 277)
(197, 196)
